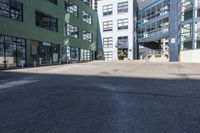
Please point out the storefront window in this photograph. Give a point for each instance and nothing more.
(85, 55)
(46, 53)
(1, 50)
(74, 52)
(65, 56)
(12, 51)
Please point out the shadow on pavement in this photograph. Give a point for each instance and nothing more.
(86, 104)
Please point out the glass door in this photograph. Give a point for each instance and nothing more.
(1, 51)
(46, 53)
(20, 55)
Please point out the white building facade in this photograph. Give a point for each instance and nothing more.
(117, 25)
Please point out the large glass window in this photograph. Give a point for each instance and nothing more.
(122, 24)
(87, 17)
(12, 51)
(65, 56)
(122, 42)
(1, 50)
(74, 53)
(46, 21)
(85, 55)
(108, 55)
(12, 9)
(108, 26)
(186, 36)
(122, 7)
(108, 42)
(87, 36)
(188, 14)
(71, 8)
(71, 30)
(107, 10)
(186, 32)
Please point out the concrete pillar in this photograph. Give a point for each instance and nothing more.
(163, 46)
(194, 38)
(174, 28)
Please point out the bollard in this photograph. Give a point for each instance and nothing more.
(40, 61)
(22, 62)
(34, 63)
(8, 66)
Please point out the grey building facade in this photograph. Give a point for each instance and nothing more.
(175, 21)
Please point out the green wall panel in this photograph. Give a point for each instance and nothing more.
(28, 30)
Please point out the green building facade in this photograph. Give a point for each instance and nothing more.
(41, 32)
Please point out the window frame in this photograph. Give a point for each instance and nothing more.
(107, 10)
(74, 29)
(73, 9)
(122, 7)
(108, 42)
(87, 36)
(107, 26)
(52, 26)
(122, 24)
(9, 10)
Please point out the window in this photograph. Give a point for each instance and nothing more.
(12, 9)
(45, 21)
(122, 24)
(87, 36)
(108, 42)
(54, 1)
(85, 55)
(108, 26)
(188, 14)
(122, 42)
(12, 49)
(108, 55)
(71, 30)
(74, 54)
(107, 10)
(71, 8)
(123, 7)
(87, 18)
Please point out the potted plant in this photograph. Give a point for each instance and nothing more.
(121, 55)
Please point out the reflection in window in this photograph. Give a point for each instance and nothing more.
(12, 50)
(71, 30)
(87, 17)
(46, 21)
(108, 55)
(107, 10)
(12, 9)
(108, 42)
(74, 53)
(71, 8)
(122, 7)
(87, 36)
(108, 26)
(122, 24)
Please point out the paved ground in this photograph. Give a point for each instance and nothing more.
(101, 97)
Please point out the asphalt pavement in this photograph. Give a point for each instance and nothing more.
(101, 97)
